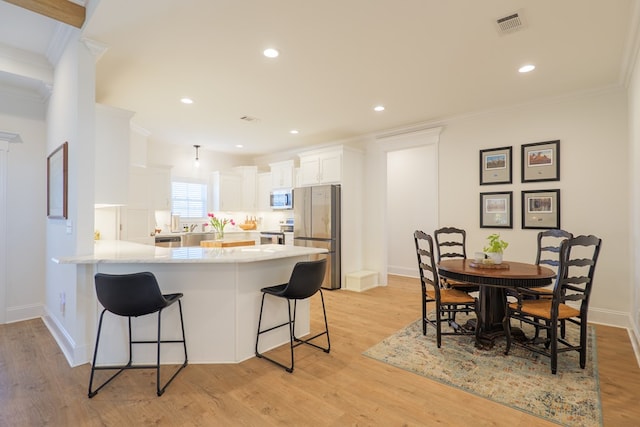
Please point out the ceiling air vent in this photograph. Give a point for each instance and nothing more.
(249, 119)
(511, 23)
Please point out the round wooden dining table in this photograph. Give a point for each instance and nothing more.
(493, 280)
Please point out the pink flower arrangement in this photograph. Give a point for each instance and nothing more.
(218, 224)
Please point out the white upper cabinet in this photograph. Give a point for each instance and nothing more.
(321, 167)
(282, 174)
(249, 175)
(264, 191)
(112, 155)
(226, 191)
(160, 187)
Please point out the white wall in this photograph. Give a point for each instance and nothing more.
(71, 118)
(412, 203)
(634, 192)
(181, 159)
(26, 188)
(594, 183)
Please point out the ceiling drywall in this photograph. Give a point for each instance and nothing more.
(424, 60)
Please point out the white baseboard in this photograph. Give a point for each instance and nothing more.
(25, 312)
(402, 271)
(75, 356)
(609, 317)
(634, 336)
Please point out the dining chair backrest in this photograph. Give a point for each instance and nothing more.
(451, 243)
(578, 257)
(426, 261)
(549, 242)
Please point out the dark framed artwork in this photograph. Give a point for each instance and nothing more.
(496, 209)
(495, 166)
(541, 209)
(57, 173)
(541, 161)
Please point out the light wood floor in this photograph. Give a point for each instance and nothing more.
(37, 387)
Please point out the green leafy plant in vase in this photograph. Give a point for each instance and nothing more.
(495, 248)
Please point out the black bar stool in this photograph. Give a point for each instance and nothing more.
(134, 295)
(305, 281)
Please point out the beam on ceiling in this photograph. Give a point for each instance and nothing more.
(61, 10)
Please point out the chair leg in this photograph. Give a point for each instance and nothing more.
(293, 340)
(583, 343)
(157, 342)
(554, 347)
(291, 336)
(506, 325)
(91, 392)
(424, 314)
(160, 390)
(438, 327)
(326, 349)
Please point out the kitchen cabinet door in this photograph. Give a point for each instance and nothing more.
(249, 176)
(111, 155)
(160, 188)
(226, 191)
(282, 174)
(138, 194)
(264, 191)
(321, 168)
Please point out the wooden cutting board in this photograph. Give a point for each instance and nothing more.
(226, 243)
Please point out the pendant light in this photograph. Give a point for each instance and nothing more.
(196, 162)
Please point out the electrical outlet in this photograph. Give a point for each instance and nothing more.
(63, 302)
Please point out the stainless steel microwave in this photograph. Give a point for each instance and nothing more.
(281, 199)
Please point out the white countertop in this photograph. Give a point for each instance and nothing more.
(120, 251)
(182, 233)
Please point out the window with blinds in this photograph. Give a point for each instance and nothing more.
(189, 199)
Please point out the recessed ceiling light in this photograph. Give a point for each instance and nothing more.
(294, 131)
(526, 68)
(186, 100)
(271, 53)
(379, 108)
(239, 146)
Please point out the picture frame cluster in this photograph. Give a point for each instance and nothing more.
(540, 162)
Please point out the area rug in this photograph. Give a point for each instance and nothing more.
(521, 380)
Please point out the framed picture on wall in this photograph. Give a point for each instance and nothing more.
(496, 210)
(541, 209)
(541, 161)
(495, 166)
(57, 164)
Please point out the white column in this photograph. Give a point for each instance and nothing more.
(4, 148)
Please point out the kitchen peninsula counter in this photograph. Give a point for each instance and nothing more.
(120, 251)
(221, 302)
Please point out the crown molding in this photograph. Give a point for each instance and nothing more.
(97, 49)
(10, 137)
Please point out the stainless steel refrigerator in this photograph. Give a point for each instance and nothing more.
(316, 213)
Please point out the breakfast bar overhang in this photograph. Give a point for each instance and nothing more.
(221, 302)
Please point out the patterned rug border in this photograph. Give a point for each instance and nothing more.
(593, 353)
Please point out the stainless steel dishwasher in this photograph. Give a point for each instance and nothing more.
(169, 241)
